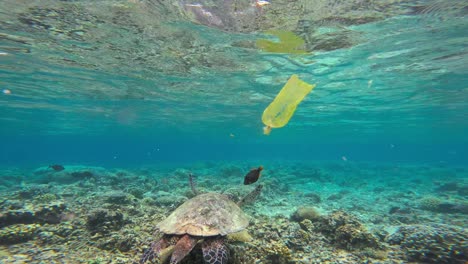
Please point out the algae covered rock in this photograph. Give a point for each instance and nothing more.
(315, 198)
(104, 221)
(46, 198)
(432, 244)
(430, 203)
(117, 197)
(68, 175)
(11, 204)
(346, 231)
(82, 174)
(19, 233)
(306, 212)
(278, 252)
(32, 191)
(170, 200)
(123, 240)
(49, 213)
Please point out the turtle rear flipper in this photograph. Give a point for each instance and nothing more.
(215, 251)
(157, 249)
(182, 248)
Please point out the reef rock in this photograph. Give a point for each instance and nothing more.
(170, 200)
(117, 197)
(19, 233)
(432, 244)
(50, 213)
(303, 213)
(103, 221)
(346, 231)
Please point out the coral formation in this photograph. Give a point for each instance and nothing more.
(94, 223)
(242, 236)
(303, 213)
(46, 198)
(315, 198)
(137, 192)
(31, 191)
(277, 252)
(82, 174)
(432, 244)
(49, 213)
(170, 200)
(117, 197)
(19, 233)
(430, 203)
(104, 221)
(11, 204)
(346, 231)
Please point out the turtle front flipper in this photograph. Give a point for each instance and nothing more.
(182, 248)
(251, 197)
(215, 251)
(157, 249)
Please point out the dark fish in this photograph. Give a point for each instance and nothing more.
(253, 175)
(57, 167)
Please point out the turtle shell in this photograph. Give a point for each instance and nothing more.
(208, 214)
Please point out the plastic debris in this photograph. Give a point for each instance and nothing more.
(288, 43)
(278, 113)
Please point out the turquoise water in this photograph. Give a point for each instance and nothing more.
(154, 88)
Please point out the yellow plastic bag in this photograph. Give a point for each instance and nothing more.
(278, 113)
(288, 43)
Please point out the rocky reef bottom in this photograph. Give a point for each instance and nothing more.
(336, 212)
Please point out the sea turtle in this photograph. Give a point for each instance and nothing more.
(207, 217)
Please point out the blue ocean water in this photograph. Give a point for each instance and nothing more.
(133, 85)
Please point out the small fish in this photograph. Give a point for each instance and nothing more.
(57, 167)
(253, 175)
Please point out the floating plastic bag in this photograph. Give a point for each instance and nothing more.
(288, 43)
(278, 113)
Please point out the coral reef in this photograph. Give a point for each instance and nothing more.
(11, 204)
(277, 252)
(315, 198)
(31, 191)
(242, 236)
(49, 213)
(430, 203)
(104, 221)
(89, 219)
(19, 233)
(435, 204)
(346, 231)
(117, 197)
(170, 200)
(46, 198)
(302, 213)
(82, 174)
(137, 192)
(432, 244)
